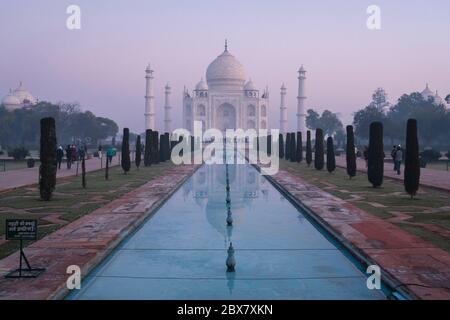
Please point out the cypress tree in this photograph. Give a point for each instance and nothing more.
(269, 145)
(331, 160)
(308, 148)
(148, 149)
(167, 145)
(162, 153)
(48, 167)
(83, 171)
(319, 161)
(293, 156)
(280, 146)
(350, 152)
(299, 155)
(137, 155)
(287, 152)
(192, 143)
(375, 167)
(180, 140)
(155, 147)
(412, 163)
(125, 161)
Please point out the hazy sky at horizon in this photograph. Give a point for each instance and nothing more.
(102, 65)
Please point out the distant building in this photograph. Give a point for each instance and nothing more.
(427, 93)
(19, 98)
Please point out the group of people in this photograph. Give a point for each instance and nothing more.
(396, 154)
(72, 154)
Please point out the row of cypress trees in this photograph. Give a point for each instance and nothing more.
(375, 157)
(292, 151)
(157, 149)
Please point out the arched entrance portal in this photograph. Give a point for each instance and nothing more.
(225, 117)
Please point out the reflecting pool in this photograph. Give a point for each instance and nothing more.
(181, 251)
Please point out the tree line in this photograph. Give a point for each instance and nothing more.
(18, 128)
(434, 119)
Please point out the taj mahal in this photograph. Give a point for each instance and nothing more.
(226, 100)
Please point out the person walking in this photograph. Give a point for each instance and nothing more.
(74, 153)
(82, 152)
(59, 156)
(69, 156)
(393, 152)
(365, 154)
(109, 154)
(398, 158)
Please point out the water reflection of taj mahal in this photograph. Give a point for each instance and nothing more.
(208, 186)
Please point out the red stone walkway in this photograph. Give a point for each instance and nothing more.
(88, 240)
(438, 179)
(22, 177)
(410, 262)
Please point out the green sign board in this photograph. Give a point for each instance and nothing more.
(21, 229)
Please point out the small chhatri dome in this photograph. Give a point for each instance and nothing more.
(201, 85)
(24, 96)
(437, 99)
(226, 71)
(10, 101)
(426, 93)
(283, 87)
(249, 86)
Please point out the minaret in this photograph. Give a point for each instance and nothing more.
(301, 101)
(149, 100)
(283, 110)
(167, 107)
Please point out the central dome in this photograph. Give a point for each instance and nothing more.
(226, 72)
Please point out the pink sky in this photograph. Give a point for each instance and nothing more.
(102, 65)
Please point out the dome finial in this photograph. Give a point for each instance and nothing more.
(226, 45)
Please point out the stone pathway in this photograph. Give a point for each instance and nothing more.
(438, 179)
(410, 262)
(18, 178)
(86, 241)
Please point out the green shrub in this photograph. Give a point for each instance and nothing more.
(18, 153)
(30, 163)
(430, 155)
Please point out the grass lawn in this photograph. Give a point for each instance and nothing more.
(70, 201)
(15, 165)
(427, 216)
